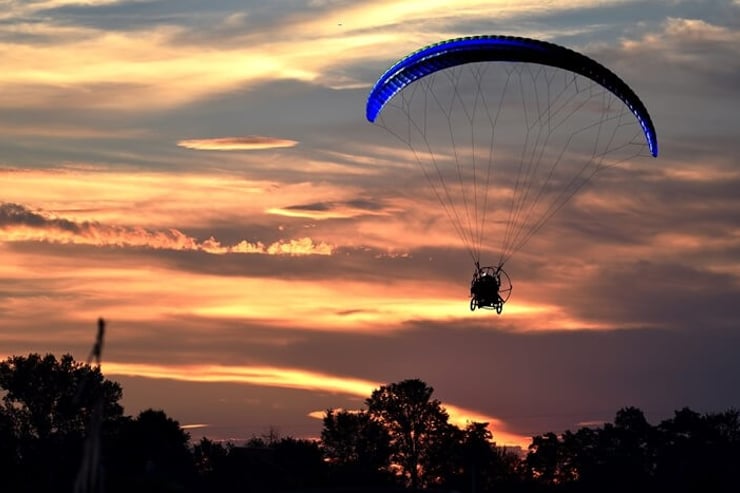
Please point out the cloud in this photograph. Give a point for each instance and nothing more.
(703, 51)
(659, 294)
(291, 378)
(17, 215)
(299, 379)
(32, 7)
(194, 426)
(17, 224)
(335, 209)
(246, 143)
(76, 59)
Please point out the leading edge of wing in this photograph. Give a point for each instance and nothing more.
(493, 48)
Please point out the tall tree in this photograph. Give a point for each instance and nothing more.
(47, 403)
(209, 455)
(8, 448)
(47, 396)
(544, 459)
(301, 462)
(633, 444)
(356, 447)
(417, 427)
(481, 461)
(699, 452)
(150, 452)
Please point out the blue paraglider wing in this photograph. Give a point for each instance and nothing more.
(503, 48)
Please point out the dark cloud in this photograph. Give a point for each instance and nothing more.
(651, 199)
(18, 215)
(365, 204)
(316, 206)
(221, 23)
(135, 15)
(360, 204)
(668, 295)
(686, 70)
(356, 311)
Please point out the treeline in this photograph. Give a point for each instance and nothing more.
(402, 440)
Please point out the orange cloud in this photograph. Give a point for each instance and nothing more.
(335, 209)
(153, 67)
(246, 143)
(159, 200)
(294, 378)
(290, 378)
(18, 223)
(194, 426)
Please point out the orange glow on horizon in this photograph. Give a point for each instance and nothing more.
(293, 378)
(256, 375)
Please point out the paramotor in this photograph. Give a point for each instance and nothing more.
(506, 130)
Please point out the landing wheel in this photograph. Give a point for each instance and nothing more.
(504, 288)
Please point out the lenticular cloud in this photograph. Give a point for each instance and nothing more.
(246, 143)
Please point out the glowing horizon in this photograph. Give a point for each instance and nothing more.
(293, 378)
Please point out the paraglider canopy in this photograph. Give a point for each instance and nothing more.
(506, 130)
(491, 48)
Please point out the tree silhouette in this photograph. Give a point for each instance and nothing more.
(149, 453)
(47, 403)
(481, 463)
(356, 447)
(47, 396)
(417, 428)
(698, 452)
(689, 452)
(260, 465)
(9, 448)
(404, 434)
(632, 449)
(209, 456)
(545, 459)
(300, 464)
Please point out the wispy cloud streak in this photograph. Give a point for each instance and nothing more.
(299, 379)
(17, 223)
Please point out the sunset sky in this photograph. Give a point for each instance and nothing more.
(202, 175)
